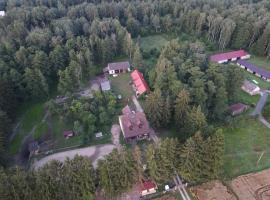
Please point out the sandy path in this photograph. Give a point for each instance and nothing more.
(94, 153)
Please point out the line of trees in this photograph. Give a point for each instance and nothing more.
(198, 159)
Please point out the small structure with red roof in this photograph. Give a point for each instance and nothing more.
(68, 134)
(139, 82)
(148, 187)
(237, 109)
(229, 56)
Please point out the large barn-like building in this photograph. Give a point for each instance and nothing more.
(139, 82)
(262, 73)
(229, 56)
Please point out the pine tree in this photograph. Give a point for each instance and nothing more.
(137, 60)
(154, 107)
(36, 84)
(181, 107)
(137, 156)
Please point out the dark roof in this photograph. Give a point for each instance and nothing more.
(237, 107)
(67, 133)
(33, 146)
(118, 65)
(254, 68)
(228, 55)
(134, 124)
(139, 81)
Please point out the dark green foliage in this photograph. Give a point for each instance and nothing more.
(116, 172)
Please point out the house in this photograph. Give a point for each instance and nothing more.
(229, 56)
(68, 134)
(117, 68)
(2, 13)
(262, 73)
(33, 148)
(250, 88)
(237, 109)
(148, 187)
(139, 82)
(134, 125)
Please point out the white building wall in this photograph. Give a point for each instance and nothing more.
(111, 72)
(245, 57)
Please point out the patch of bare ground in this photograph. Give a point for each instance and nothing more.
(254, 186)
(213, 190)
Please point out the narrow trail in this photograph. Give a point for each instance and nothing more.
(15, 130)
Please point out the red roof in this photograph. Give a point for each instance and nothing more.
(139, 82)
(147, 185)
(68, 133)
(237, 107)
(228, 55)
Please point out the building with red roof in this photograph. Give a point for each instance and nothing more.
(237, 109)
(139, 82)
(148, 187)
(229, 56)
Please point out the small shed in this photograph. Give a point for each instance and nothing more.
(99, 135)
(105, 85)
(250, 88)
(237, 109)
(33, 147)
(68, 134)
(2, 13)
(148, 187)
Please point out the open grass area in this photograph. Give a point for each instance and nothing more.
(121, 85)
(31, 117)
(245, 141)
(260, 62)
(243, 97)
(154, 41)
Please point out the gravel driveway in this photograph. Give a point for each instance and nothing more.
(94, 153)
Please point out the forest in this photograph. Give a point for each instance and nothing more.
(55, 46)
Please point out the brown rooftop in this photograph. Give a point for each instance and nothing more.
(134, 124)
(118, 66)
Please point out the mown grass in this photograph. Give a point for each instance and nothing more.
(121, 85)
(41, 129)
(260, 62)
(154, 41)
(245, 140)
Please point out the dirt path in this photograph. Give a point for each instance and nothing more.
(261, 103)
(137, 104)
(94, 153)
(15, 130)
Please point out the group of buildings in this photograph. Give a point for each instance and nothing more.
(240, 57)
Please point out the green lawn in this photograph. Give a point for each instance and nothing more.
(154, 41)
(121, 85)
(244, 143)
(245, 98)
(260, 62)
(32, 116)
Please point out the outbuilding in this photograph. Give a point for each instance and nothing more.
(68, 134)
(148, 187)
(237, 109)
(117, 68)
(250, 88)
(229, 56)
(2, 13)
(139, 83)
(262, 73)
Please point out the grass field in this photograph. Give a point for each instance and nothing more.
(156, 41)
(244, 143)
(121, 85)
(262, 83)
(260, 62)
(32, 116)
